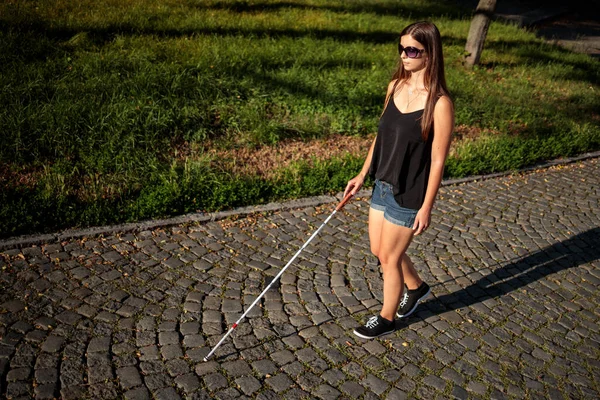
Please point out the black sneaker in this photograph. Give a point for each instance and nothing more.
(411, 300)
(376, 326)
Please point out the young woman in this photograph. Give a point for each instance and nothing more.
(406, 160)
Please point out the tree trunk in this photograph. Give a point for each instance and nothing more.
(478, 31)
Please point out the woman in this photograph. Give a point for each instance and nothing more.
(406, 160)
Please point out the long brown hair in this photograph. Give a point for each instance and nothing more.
(429, 36)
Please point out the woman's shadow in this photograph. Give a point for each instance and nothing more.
(580, 249)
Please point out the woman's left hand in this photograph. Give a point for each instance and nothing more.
(422, 221)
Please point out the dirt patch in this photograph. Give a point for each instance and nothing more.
(466, 132)
(23, 177)
(267, 160)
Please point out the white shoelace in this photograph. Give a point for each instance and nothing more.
(404, 299)
(372, 322)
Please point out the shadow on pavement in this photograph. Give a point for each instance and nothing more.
(580, 249)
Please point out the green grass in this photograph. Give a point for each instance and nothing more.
(109, 108)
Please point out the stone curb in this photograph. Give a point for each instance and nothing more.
(31, 240)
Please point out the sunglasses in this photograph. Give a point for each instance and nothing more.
(411, 52)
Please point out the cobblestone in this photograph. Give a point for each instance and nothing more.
(513, 265)
(129, 377)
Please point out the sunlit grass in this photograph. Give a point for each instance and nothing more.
(109, 108)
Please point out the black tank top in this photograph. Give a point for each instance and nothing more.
(401, 157)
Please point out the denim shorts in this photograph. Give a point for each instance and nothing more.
(383, 200)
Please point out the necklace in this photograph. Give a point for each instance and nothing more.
(410, 92)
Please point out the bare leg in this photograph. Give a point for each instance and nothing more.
(411, 276)
(375, 225)
(394, 240)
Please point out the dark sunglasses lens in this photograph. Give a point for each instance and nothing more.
(411, 52)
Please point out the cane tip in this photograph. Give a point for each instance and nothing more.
(205, 359)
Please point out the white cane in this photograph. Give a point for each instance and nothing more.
(339, 207)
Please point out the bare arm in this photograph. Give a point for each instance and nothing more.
(443, 124)
(356, 183)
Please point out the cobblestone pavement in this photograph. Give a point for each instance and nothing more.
(513, 263)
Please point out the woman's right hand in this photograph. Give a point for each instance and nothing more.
(354, 185)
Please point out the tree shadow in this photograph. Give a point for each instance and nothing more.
(529, 53)
(106, 34)
(272, 83)
(422, 11)
(580, 249)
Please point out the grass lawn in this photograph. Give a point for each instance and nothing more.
(115, 111)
